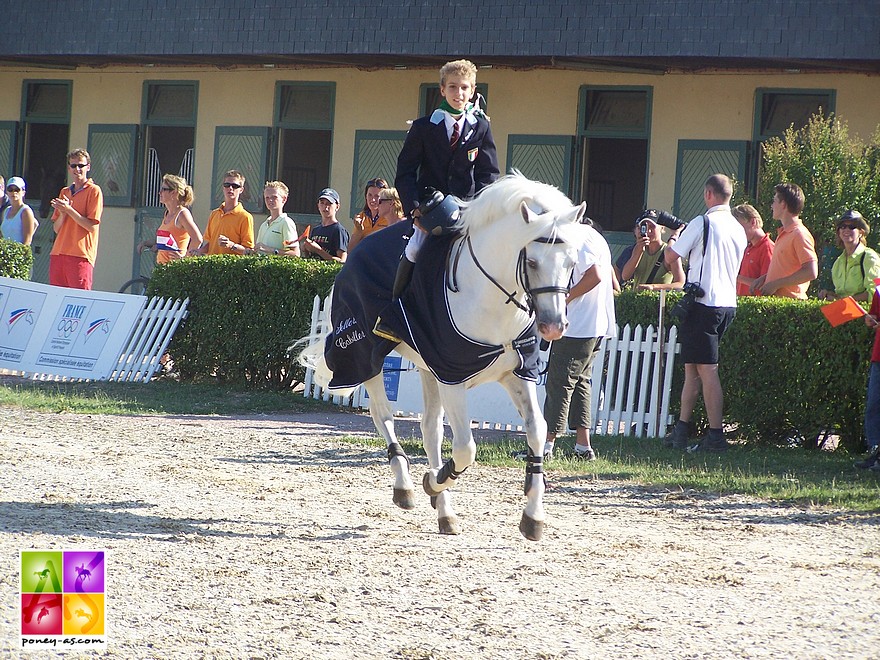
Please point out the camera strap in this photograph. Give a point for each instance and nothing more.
(705, 243)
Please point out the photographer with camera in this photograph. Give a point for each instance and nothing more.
(713, 244)
(643, 263)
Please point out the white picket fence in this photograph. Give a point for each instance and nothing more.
(632, 378)
(141, 355)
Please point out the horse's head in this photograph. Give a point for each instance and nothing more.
(546, 265)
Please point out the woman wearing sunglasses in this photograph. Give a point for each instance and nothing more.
(855, 270)
(18, 222)
(389, 212)
(178, 229)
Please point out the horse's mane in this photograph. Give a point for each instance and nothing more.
(501, 200)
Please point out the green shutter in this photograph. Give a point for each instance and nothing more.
(242, 148)
(8, 133)
(545, 158)
(697, 161)
(112, 148)
(375, 156)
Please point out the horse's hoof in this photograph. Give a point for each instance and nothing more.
(429, 489)
(533, 530)
(449, 525)
(404, 498)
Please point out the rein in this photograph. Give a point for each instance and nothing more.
(522, 275)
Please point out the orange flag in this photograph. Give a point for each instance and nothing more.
(843, 310)
(306, 233)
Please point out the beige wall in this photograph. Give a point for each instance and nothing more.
(685, 106)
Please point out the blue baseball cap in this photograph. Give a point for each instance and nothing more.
(330, 195)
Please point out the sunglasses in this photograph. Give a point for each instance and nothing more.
(230, 184)
(13, 189)
(847, 225)
(377, 183)
(385, 199)
(77, 166)
(166, 189)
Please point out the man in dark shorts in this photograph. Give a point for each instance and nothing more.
(714, 265)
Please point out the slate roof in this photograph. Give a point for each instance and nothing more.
(638, 34)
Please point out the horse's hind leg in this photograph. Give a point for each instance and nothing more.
(432, 437)
(525, 398)
(380, 410)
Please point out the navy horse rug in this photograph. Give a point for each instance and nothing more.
(421, 317)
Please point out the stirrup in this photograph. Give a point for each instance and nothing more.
(384, 332)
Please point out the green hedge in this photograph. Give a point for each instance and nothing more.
(786, 372)
(244, 313)
(16, 260)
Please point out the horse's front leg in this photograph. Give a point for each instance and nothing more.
(464, 449)
(525, 397)
(380, 410)
(432, 437)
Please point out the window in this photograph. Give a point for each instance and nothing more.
(169, 129)
(45, 118)
(777, 109)
(304, 138)
(613, 133)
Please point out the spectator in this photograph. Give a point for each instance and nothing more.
(643, 263)
(368, 220)
(178, 229)
(570, 369)
(4, 199)
(329, 240)
(756, 259)
(451, 151)
(793, 264)
(277, 235)
(855, 270)
(76, 221)
(18, 220)
(714, 260)
(230, 228)
(872, 403)
(390, 213)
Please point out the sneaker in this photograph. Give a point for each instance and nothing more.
(679, 437)
(586, 455)
(871, 461)
(710, 442)
(548, 450)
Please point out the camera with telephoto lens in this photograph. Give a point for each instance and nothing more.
(668, 220)
(682, 309)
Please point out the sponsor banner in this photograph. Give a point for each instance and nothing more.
(64, 332)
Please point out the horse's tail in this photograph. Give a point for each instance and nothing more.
(309, 351)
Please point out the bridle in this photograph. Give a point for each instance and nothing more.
(522, 274)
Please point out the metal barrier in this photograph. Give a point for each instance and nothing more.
(141, 355)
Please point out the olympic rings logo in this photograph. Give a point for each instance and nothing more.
(67, 326)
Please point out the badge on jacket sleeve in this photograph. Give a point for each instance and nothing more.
(472, 154)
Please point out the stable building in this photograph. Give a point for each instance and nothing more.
(622, 103)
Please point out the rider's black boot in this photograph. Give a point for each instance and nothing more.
(401, 282)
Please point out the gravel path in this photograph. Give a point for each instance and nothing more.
(264, 537)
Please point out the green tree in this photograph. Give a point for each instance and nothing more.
(835, 171)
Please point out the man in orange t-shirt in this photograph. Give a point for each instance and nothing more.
(793, 264)
(76, 220)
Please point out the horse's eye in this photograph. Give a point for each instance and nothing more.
(532, 263)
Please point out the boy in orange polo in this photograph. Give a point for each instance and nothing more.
(76, 220)
(794, 263)
(230, 228)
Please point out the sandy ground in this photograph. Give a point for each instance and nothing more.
(264, 537)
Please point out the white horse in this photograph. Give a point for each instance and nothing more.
(509, 267)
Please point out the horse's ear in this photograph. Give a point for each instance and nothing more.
(574, 215)
(527, 213)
